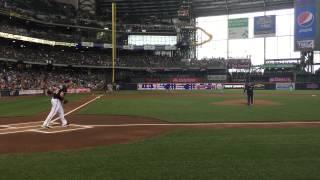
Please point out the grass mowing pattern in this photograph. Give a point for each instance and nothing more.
(225, 154)
(196, 106)
(28, 106)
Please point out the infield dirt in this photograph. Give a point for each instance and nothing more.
(243, 102)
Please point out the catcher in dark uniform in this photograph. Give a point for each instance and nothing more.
(249, 89)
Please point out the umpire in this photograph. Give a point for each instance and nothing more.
(249, 89)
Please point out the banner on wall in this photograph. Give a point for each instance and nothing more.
(185, 80)
(78, 90)
(217, 77)
(233, 85)
(149, 47)
(87, 44)
(30, 92)
(265, 26)
(285, 86)
(305, 23)
(280, 79)
(312, 86)
(238, 28)
(176, 86)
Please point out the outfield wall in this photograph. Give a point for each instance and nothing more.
(214, 86)
(8, 92)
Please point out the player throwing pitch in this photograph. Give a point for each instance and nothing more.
(249, 89)
(57, 102)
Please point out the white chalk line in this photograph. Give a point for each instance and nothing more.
(4, 126)
(81, 127)
(16, 129)
(66, 114)
(20, 127)
(65, 129)
(202, 124)
(54, 120)
(71, 127)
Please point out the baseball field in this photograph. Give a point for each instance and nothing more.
(164, 135)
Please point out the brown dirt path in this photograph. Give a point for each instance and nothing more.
(243, 102)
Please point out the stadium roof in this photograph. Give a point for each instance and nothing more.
(200, 8)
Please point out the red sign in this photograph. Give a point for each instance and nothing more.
(79, 90)
(280, 79)
(185, 80)
(152, 80)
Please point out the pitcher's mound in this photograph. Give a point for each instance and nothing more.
(243, 102)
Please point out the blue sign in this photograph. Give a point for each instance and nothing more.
(265, 26)
(305, 24)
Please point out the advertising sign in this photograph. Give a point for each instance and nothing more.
(78, 90)
(285, 86)
(149, 47)
(265, 26)
(280, 79)
(239, 63)
(217, 77)
(233, 86)
(238, 28)
(30, 92)
(128, 47)
(107, 46)
(305, 25)
(87, 44)
(170, 48)
(176, 86)
(312, 86)
(185, 80)
(259, 86)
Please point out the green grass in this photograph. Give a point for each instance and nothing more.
(28, 106)
(183, 106)
(221, 154)
(196, 106)
(225, 154)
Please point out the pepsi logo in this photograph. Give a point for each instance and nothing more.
(305, 19)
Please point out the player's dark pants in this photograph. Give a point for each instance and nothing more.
(250, 99)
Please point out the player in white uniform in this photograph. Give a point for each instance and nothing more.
(56, 102)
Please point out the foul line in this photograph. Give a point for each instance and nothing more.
(16, 129)
(74, 127)
(202, 124)
(54, 120)
(83, 126)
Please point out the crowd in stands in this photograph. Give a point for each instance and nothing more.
(54, 55)
(44, 9)
(138, 60)
(13, 78)
(46, 34)
(43, 6)
(2, 3)
(209, 62)
(50, 11)
(92, 58)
